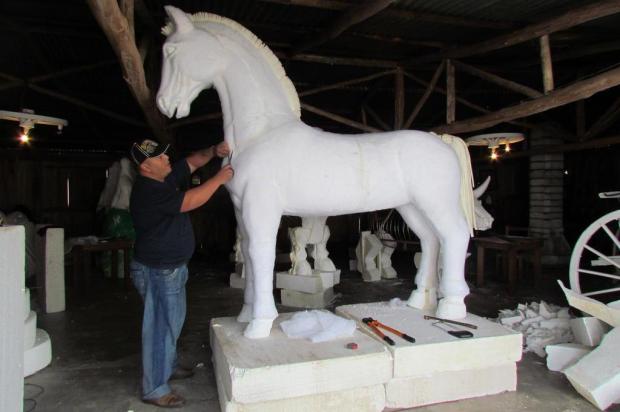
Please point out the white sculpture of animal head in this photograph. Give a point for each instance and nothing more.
(484, 220)
(193, 59)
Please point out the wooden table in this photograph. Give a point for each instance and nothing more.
(509, 247)
(81, 258)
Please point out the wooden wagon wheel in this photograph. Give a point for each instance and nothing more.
(595, 262)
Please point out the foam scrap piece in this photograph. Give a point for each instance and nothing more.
(592, 307)
(588, 330)
(318, 326)
(596, 376)
(563, 355)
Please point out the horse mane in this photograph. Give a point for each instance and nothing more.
(202, 18)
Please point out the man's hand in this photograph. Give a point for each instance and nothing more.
(225, 174)
(222, 150)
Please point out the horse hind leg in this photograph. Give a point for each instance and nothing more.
(424, 297)
(248, 292)
(453, 231)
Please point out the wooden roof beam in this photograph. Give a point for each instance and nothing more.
(565, 21)
(352, 16)
(558, 97)
(400, 13)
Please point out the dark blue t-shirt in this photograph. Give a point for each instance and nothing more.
(164, 235)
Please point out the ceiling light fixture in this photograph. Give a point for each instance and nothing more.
(494, 140)
(27, 120)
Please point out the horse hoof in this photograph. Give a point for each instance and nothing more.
(258, 328)
(246, 314)
(451, 308)
(423, 299)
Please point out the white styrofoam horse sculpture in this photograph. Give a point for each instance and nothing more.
(416, 172)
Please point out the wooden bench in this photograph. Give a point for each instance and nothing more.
(510, 248)
(82, 258)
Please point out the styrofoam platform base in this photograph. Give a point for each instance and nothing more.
(307, 300)
(439, 367)
(39, 355)
(450, 386)
(314, 283)
(278, 370)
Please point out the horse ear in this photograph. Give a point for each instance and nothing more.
(181, 21)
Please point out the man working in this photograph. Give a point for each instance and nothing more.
(164, 244)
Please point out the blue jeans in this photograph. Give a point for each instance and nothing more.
(163, 294)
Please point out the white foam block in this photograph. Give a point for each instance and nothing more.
(596, 376)
(236, 281)
(314, 283)
(30, 330)
(589, 330)
(274, 368)
(563, 355)
(435, 350)
(39, 355)
(54, 270)
(364, 399)
(307, 300)
(12, 258)
(450, 386)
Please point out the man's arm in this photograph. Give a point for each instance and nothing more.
(198, 196)
(202, 157)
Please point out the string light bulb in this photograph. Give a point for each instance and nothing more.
(24, 138)
(507, 149)
(493, 154)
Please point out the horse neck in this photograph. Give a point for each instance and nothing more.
(253, 101)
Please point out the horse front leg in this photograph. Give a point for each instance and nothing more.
(424, 297)
(261, 225)
(248, 292)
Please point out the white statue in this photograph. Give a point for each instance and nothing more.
(427, 178)
(313, 234)
(117, 190)
(484, 220)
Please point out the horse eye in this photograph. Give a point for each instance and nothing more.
(169, 50)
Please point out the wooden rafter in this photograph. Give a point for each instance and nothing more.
(607, 119)
(463, 101)
(429, 89)
(401, 14)
(562, 148)
(451, 93)
(339, 119)
(567, 20)
(508, 84)
(345, 83)
(352, 16)
(559, 97)
(118, 31)
(546, 63)
(82, 104)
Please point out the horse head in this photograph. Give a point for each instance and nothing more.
(192, 59)
(484, 220)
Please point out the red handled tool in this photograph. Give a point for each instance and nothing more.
(375, 325)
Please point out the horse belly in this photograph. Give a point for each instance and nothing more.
(331, 194)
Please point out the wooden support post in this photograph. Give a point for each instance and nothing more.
(450, 97)
(546, 63)
(120, 35)
(399, 99)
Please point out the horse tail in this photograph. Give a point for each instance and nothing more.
(467, 178)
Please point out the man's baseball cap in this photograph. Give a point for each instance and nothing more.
(145, 149)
